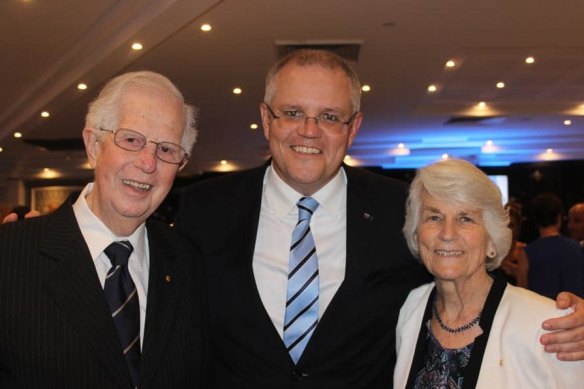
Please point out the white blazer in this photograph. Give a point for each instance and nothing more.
(514, 357)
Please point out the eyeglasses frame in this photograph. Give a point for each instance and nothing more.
(180, 164)
(316, 119)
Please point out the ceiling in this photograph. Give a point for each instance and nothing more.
(402, 46)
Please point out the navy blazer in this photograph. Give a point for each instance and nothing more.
(353, 345)
(56, 330)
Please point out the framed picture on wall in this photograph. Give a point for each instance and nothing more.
(48, 198)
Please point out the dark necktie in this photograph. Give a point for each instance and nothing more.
(301, 314)
(122, 298)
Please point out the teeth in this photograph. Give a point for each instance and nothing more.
(137, 185)
(445, 253)
(306, 150)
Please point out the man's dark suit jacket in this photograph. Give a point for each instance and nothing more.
(353, 345)
(55, 327)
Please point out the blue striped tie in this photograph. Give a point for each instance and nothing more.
(301, 314)
(122, 298)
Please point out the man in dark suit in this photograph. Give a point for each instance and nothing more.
(60, 279)
(245, 225)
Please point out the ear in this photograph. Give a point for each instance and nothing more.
(90, 139)
(491, 250)
(355, 126)
(265, 120)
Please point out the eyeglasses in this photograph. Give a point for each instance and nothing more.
(131, 140)
(292, 119)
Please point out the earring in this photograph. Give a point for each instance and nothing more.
(492, 254)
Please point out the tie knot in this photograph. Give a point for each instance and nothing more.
(119, 252)
(306, 207)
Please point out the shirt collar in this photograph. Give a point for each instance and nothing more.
(98, 236)
(281, 199)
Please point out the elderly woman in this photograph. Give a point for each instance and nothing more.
(468, 329)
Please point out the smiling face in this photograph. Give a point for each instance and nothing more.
(308, 157)
(129, 186)
(452, 240)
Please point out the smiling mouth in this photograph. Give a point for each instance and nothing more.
(306, 150)
(448, 253)
(137, 185)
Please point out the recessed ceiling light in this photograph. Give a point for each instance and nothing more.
(18, 134)
(206, 27)
(445, 156)
(450, 63)
(223, 162)
(366, 88)
(237, 91)
(482, 105)
(253, 126)
(81, 86)
(567, 122)
(529, 60)
(347, 158)
(401, 150)
(1, 149)
(45, 114)
(549, 151)
(500, 85)
(489, 147)
(432, 88)
(137, 46)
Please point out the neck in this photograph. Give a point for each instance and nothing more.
(463, 298)
(119, 226)
(548, 231)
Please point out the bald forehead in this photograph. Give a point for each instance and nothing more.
(577, 209)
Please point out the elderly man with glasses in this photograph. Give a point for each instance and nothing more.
(94, 295)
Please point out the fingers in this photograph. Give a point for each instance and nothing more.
(32, 213)
(575, 356)
(12, 217)
(566, 300)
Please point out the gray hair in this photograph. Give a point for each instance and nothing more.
(104, 110)
(460, 181)
(310, 57)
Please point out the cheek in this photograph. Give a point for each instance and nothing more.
(166, 175)
(425, 253)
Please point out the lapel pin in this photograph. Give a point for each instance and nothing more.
(368, 217)
(167, 278)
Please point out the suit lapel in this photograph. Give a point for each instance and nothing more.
(163, 293)
(361, 215)
(72, 280)
(359, 220)
(248, 199)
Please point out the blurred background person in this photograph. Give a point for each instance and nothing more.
(576, 223)
(510, 266)
(467, 328)
(555, 262)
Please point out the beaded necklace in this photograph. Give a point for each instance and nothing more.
(456, 330)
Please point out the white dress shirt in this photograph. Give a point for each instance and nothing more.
(278, 217)
(97, 237)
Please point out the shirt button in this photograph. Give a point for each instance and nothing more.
(298, 375)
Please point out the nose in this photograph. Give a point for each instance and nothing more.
(310, 128)
(147, 159)
(448, 231)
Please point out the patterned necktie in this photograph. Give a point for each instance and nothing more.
(301, 314)
(122, 298)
